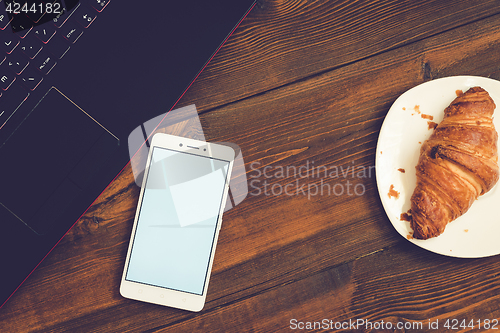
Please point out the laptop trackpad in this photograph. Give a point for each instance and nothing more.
(57, 149)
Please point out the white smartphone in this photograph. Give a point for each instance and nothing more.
(177, 222)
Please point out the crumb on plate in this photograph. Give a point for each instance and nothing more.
(405, 216)
(392, 192)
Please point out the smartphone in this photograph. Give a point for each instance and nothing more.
(177, 222)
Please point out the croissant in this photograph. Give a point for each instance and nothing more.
(457, 164)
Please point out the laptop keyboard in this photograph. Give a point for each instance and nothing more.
(27, 56)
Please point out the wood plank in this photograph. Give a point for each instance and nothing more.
(401, 284)
(379, 287)
(282, 42)
(267, 242)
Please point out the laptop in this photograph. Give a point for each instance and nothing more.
(75, 81)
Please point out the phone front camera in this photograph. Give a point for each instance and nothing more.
(180, 144)
(205, 149)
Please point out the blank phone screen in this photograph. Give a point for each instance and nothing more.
(177, 220)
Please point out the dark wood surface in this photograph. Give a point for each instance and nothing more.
(298, 82)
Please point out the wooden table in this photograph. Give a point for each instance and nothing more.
(298, 82)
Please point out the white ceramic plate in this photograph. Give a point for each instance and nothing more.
(476, 233)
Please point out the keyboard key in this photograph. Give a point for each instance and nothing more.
(35, 11)
(9, 41)
(63, 18)
(71, 31)
(17, 61)
(10, 101)
(30, 46)
(44, 32)
(44, 62)
(58, 46)
(85, 16)
(7, 77)
(4, 17)
(31, 78)
(21, 25)
(99, 5)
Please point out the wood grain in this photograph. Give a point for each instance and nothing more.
(409, 286)
(281, 257)
(282, 42)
